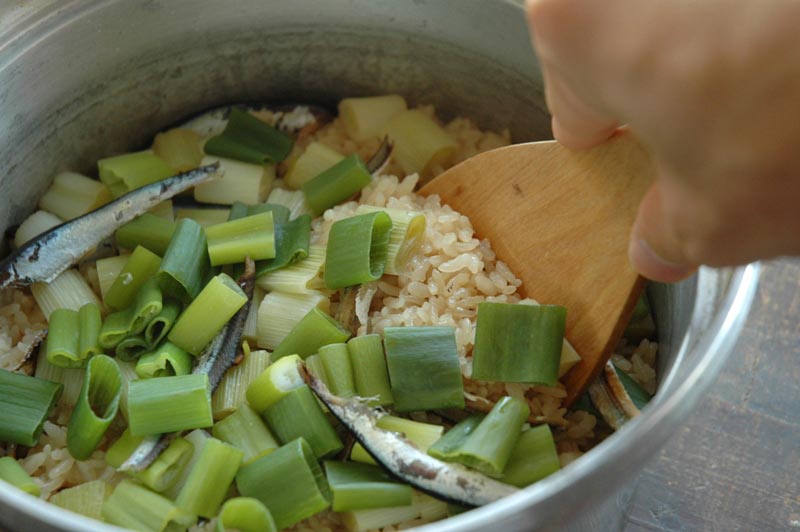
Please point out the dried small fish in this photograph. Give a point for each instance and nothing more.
(452, 482)
(214, 361)
(611, 399)
(45, 257)
(380, 158)
(38, 338)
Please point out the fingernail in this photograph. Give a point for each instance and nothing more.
(651, 265)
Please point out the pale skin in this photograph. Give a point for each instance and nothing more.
(712, 88)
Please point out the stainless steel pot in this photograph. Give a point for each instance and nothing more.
(81, 79)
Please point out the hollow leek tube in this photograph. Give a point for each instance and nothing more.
(313, 161)
(312, 332)
(446, 448)
(338, 369)
(207, 314)
(197, 438)
(96, 408)
(147, 305)
(370, 373)
(90, 322)
(160, 325)
(131, 348)
(533, 457)
(274, 383)
(130, 171)
(210, 478)
(165, 360)
(357, 247)
(63, 337)
(135, 507)
(204, 216)
(230, 242)
(419, 142)
(248, 139)
(408, 232)
(638, 395)
(71, 379)
(488, 446)
(298, 415)
(149, 231)
(14, 474)
(85, 499)
(336, 184)
(185, 264)
(141, 266)
(357, 486)
(108, 270)
(245, 514)
(165, 470)
(25, 403)
(422, 435)
(280, 312)
(297, 277)
(116, 327)
(518, 343)
(232, 390)
(122, 448)
(423, 368)
(315, 367)
(36, 224)
(289, 481)
(72, 195)
(366, 117)
(295, 200)
(180, 148)
(169, 404)
(69, 290)
(245, 430)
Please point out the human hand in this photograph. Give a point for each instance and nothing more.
(712, 88)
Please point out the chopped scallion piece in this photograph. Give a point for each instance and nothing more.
(163, 473)
(245, 430)
(141, 266)
(338, 369)
(356, 252)
(518, 343)
(422, 435)
(69, 290)
(160, 325)
(248, 139)
(85, 499)
(232, 390)
(72, 195)
(180, 148)
(63, 338)
(204, 216)
(165, 360)
(70, 378)
(423, 368)
(533, 457)
(14, 474)
(135, 507)
(122, 448)
(313, 161)
(149, 231)
(274, 383)
(252, 236)
(210, 478)
(25, 403)
(131, 348)
(295, 200)
(419, 142)
(638, 395)
(378, 518)
(336, 184)
(315, 367)
(239, 181)
(357, 486)
(90, 322)
(108, 270)
(312, 332)
(408, 232)
(366, 117)
(297, 277)
(289, 481)
(130, 171)
(448, 445)
(185, 263)
(36, 224)
(245, 514)
(298, 415)
(169, 404)
(369, 369)
(198, 439)
(96, 408)
(164, 210)
(207, 314)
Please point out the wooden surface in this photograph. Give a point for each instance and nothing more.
(736, 464)
(572, 210)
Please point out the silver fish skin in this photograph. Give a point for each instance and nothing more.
(380, 158)
(452, 482)
(48, 255)
(214, 361)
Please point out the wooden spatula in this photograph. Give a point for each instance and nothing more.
(561, 221)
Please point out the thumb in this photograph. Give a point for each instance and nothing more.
(655, 250)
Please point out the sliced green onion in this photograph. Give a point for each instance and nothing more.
(360, 486)
(313, 161)
(423, 368)
(90, 322)
(185, 263)
(312, 332)
(163, 473)
(405, 239)
(569, 357)
(419, 142)
(131, 348)
(518, 343)
(422, 435)
(122, 448)
(108, 270)
(245, 430)
(72, 195)
(366, 117)
(36, 224)
(204, 216)
(298, 415)
(298, 277)
(357, 249)
(280, 213)
(232, 390)
(130, 171)
(122, 325)
(369, 369)
(63, 337)
(207, 314)
(210, 478)
(164, 210)
(160, 325)
(14, 474)
(447, 447)
(169, 404)
(246, 138)
(135, 507)
(378, 518)
(289, 482)
(149, 231)
(71, 379)
(148, 304)
(239, 181)
(338, 369)
(85, 499)
(180, 148)
(245, 514)
(274, 383)
(336, 184)
(165, 360)
(295, 200)
(198, 439)
(128, 370)
(252, 236)
(637, 394)
(96, 408)
(317, 369)
(141, 266)
(69, 290)
(487, 447)
(533, 457)
(25, 403)
(280, 312)
(116, 327)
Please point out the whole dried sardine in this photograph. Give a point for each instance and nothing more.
(45, 257)
(399, 456)
(611, 399)
(214, 361)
